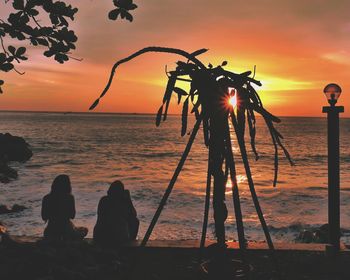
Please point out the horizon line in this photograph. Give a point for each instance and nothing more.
(127, 113)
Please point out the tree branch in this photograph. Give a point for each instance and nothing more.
(143, 51)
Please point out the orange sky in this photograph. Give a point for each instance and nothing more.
(297, 46)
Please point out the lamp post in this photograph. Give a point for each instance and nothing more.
(332, 92)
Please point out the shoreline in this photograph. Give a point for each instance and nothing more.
(194, 244)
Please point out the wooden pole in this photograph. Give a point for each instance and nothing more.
(206, 207)
(172, 182)
(235, 194)
(240, 139)
(333, 174)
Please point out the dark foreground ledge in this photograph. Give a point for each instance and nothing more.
(162, 259)
(194, 245)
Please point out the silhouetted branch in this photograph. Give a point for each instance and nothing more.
(140, 52)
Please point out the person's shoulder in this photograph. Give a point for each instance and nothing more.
(46, 197)
(104, 198)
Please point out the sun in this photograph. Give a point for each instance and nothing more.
(233, 101)
(233, 97)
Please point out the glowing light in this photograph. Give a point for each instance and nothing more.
(233, 97)
(233, 101)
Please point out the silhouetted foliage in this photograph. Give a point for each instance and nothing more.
(25, 23)
(210, 91)
(202, 81)
(122, 9)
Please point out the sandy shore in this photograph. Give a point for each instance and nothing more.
(29, 258)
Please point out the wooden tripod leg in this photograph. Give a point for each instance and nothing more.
(235, 194)
(251, 183)
(172, 182)
(206, 209)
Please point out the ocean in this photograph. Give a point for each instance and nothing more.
(96, 149)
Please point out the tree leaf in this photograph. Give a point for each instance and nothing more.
(113, 15)
(61, 58)
(128, 16)
(6, 67)
(49, 53)
(169, 88)
(196, 106)
(246, 74)
(166, 109)
(224, 63)
(159, 115)
(123, 13)
(180, 91)
(2, 58)
(184, 117)
(132, 6)
(18, 4)
(179, 99)
(12, 49)
(20, 51)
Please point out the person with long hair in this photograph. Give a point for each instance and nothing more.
(117, 221)
(58, 210)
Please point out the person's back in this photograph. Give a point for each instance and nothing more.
(111, 226)
(58, 208)
(113, 218)
(133, 221)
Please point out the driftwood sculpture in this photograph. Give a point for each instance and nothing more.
(210, 91)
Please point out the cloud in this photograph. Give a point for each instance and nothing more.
(340, 57)
(296, 45)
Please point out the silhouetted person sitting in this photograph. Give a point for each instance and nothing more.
(117, 221)
(58, 208)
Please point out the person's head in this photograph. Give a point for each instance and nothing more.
(116, 189)
(61, 185)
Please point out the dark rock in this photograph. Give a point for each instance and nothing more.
(4, 209)
(14, 148)
(7, 171)
(18, 208)
(319, 235)
(306, 236)
(4, 179)
(15, 208)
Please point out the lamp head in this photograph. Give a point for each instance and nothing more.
(332, 92)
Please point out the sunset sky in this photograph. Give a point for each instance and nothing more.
(297, 46)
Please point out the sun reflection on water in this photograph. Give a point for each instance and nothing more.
(240, 179)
